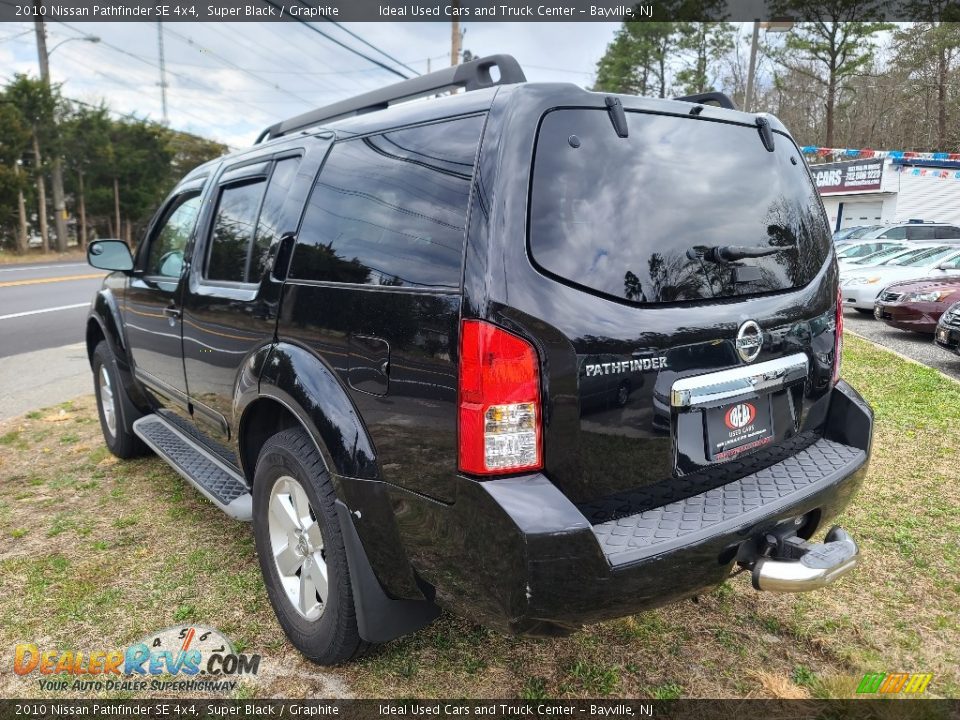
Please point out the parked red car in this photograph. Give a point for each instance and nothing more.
(916, 305)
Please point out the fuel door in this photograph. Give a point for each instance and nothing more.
(369, 364)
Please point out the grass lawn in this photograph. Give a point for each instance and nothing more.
(96, 553)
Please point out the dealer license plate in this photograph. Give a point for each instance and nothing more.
(738, 427)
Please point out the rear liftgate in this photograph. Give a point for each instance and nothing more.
(780, 560)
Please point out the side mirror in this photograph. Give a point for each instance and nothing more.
(110, 255)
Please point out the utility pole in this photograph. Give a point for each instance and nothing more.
(163, 73)
(752, 68)
(56, 169)
(455, 37)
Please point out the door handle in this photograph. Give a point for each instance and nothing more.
(172, 312)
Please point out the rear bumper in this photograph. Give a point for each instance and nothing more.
(516, 554)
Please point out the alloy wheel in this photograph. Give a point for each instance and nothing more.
(297, 547)
(107, 405)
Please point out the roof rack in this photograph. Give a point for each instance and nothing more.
(710, 98)
(473, 75)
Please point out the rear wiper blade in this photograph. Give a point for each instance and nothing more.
(730, 253)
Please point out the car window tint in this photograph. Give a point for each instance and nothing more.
(598, 214)
(166, 247)
(272, 218)
(897, 233)
(947, 232)
(391, 209)
(921, 232)
(233, 227)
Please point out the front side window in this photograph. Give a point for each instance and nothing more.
(233, 230)
(391, 209)
(272, 215)
(165, 258)
(639, 218)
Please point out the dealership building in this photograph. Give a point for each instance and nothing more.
(893, 189)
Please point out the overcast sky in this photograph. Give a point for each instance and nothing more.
(228, 81)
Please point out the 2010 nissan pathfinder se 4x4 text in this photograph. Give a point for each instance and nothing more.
(536, 355)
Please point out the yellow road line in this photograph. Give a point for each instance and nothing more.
(39, 281)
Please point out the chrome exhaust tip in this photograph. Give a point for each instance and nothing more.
(821, 564)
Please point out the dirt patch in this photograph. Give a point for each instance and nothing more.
(97, 553)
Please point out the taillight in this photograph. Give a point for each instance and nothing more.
(499, 401)
(838, 340)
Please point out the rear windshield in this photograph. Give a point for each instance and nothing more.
(641, 218)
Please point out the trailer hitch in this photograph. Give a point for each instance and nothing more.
(792, 564)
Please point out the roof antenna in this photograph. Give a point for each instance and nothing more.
(617, 116)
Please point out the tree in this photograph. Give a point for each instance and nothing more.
(190, 151)
(637, 60)
(86, 132)
(930, 51)
(830, 44)
(704, 44)
(38, 104)
(14, 140)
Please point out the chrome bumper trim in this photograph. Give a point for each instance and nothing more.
(729, 385)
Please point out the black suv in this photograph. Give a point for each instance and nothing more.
(537, 355)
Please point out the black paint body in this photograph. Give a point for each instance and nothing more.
(369, 368)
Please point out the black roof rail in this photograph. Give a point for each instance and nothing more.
(473, 75)
(710, 98)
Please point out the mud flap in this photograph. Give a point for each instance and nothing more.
(379, 618)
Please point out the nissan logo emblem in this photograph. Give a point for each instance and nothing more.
(749, 341)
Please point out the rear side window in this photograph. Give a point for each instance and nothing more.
(947, 232)
(233, 230)
(638, 218)
(391, 209)
(921, 232)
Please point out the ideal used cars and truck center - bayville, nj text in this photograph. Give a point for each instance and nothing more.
(279, 11)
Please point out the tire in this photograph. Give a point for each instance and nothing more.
(289, 465)
(864, 312)
(115, 421)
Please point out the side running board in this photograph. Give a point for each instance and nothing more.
(215, 480)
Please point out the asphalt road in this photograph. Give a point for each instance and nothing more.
(42, 312)
(913, 345)
(44, 306)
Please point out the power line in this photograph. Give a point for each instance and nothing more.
(346, 47)
(180, 76)
(232, 64)
(15, 36)
(369, 45)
